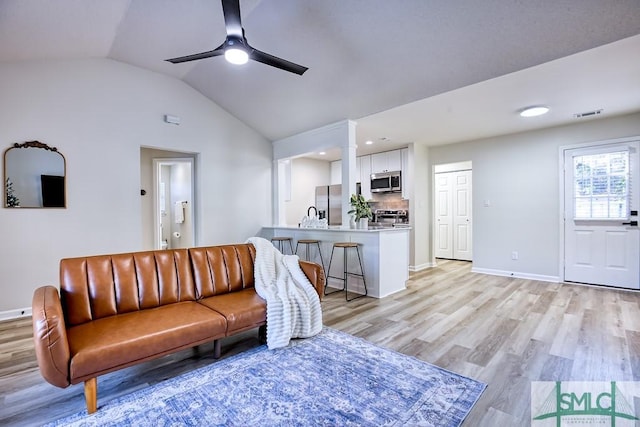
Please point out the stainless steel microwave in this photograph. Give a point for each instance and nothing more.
(386, 182)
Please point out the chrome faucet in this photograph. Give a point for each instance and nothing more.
(309, 211)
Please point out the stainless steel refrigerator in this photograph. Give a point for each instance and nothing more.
(329, 201)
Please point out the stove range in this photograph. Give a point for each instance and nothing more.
(389, 217)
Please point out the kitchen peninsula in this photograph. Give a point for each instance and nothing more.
(385, 253)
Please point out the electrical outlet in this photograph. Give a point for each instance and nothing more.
(514, 255)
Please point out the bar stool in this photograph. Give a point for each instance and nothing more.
(279, 242)
(345, 246)
(308, 242)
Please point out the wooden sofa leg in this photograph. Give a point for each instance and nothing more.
(216, 349)
(91, 395)
(262, 334)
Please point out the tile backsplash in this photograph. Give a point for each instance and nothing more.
(388, 201)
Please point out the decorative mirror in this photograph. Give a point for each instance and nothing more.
(34, 176)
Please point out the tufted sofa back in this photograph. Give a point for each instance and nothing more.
(100, 286)
(222, 269)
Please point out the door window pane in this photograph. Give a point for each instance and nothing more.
(601, 186)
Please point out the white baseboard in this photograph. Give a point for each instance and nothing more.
(416, 268)
(540, 277)
(15, 314)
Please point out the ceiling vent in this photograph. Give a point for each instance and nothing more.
(587, 114)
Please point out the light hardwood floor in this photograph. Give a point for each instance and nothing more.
(503, 331)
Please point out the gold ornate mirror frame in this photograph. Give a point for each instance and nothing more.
(34, 176)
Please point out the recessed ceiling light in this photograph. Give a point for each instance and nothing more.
(534, 111)
(322, 153)
(369, 142)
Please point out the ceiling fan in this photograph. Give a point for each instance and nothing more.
(236, 49)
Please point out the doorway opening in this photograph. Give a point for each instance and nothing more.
(452, 208)
(173, 203)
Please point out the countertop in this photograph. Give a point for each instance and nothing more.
(342, 229)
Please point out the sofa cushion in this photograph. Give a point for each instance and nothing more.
(222, 269)
(243, 309)
(101, 286)
(122, 340)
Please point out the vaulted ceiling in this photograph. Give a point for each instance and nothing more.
(426, 71)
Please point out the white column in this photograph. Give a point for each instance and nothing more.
(348, 171)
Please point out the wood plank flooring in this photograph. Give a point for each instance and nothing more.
(503, 331)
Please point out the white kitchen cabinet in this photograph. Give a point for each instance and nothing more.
(378, 162)
(336, 172)
(365, 176)
(387, 161)
(405, 172)
(394, 160)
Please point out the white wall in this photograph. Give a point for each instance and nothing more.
(98, 113)
(419, 208)
(306, 175)
(518, 175)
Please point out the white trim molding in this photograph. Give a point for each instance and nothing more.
(416, 268)
(15, 314)
(516, 274)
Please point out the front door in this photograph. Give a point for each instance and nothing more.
(602, 239)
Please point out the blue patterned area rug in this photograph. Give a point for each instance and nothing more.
(332, 379)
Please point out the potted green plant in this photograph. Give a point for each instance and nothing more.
(361, 210)
(11, 199)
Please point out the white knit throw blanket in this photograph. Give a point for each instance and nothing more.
(293, 305)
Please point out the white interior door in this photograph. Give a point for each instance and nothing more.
(453, 219)
(602, 240)
(462, 215)
(443, 216)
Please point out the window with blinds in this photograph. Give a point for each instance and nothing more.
(601, 186)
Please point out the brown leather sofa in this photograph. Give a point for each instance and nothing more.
(114, 311)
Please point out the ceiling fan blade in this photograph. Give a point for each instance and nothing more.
(232, 21)
(274, 61)
(215, 52)
(236, 40)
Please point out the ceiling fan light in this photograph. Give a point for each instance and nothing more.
(537, 110)
(236, 55)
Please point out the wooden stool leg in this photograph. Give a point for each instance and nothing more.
(91, 395)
